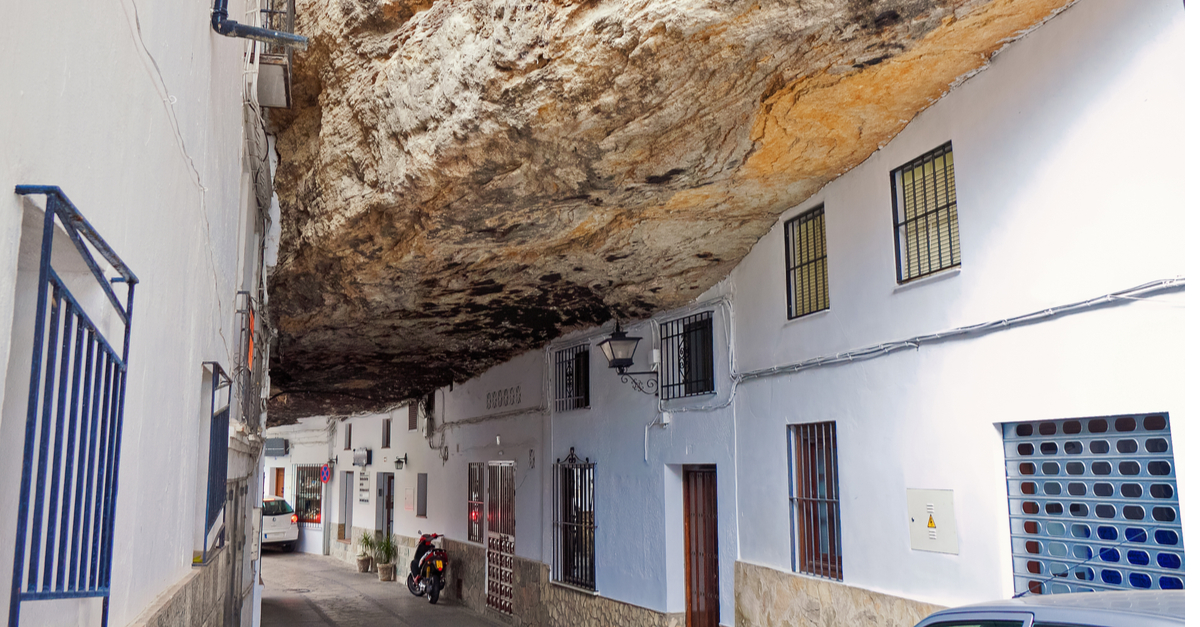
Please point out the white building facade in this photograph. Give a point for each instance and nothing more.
(131, 426)
(952, 375)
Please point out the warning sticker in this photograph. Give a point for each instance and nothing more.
(931, 525)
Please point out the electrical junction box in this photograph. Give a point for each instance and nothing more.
(931, 524)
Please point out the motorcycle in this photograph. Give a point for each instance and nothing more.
(426, 574)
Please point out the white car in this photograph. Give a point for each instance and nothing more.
(279, 524)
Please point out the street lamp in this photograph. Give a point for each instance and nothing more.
(618, 349)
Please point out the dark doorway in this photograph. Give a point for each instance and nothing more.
(386, 505)
(700, 545)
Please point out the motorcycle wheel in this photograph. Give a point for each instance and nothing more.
(435, 590)
(417, 589)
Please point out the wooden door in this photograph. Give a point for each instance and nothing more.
(279, 482)
(700, 545)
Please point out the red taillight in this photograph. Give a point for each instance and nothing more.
(295, 518)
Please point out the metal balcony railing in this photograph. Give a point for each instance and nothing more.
(76, 407)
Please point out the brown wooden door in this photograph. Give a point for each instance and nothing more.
(279, 482)
(700, 548)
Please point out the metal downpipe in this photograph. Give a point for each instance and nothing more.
(229, 28)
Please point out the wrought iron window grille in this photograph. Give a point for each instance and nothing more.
(687, 357)
(475, 472)
(925, 213)
(806, 263)
(248, 370)
(68, 492)
(815, 500)
(572, 378)
(308, 493)
(218, 457)
(575, 522)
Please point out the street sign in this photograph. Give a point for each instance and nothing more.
(325, 473)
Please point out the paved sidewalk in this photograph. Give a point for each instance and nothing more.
(305, 590)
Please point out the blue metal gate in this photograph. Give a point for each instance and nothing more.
(73, 425)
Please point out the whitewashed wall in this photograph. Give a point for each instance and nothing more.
(135, 111)
(1068, 159)
(639, 541)
(639, 490)
(520, 428)
(309, 443)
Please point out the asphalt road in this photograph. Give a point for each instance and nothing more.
(304, 590)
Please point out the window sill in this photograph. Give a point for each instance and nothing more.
(567, 586)
(809, 316)
(346, 542)
(933, 278)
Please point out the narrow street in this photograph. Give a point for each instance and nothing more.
(303, 590)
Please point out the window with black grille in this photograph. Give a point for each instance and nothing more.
(816, 509)
(807, 269)
(925, 208)
(1093, 504)
(308, 493)
(571, 378)
(687, 354)
(475, 501)
(575, 522)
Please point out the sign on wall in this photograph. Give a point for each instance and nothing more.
(408, 499)
(364, 487)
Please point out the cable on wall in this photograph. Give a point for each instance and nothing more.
(879, 350)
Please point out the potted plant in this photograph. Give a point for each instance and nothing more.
(366, 546)
(385, 557)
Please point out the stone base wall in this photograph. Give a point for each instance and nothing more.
(537, 602)
(347, 551)
(765, 597)
(198, 600)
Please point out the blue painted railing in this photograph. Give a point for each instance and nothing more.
(218, 455)
(77, 402)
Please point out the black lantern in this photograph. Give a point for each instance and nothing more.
(619, 349)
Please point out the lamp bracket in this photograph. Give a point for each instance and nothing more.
(650, 386)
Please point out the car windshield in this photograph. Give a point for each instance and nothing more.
(276, 508)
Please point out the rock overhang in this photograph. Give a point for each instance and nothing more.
(464, 181)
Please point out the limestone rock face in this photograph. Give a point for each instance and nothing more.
(462, 180)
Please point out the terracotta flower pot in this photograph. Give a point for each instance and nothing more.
(364, 563)
(387, 572)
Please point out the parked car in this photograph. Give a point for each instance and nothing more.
(1133, 608)
(280, 524)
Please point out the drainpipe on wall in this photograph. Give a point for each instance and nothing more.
(229, 28)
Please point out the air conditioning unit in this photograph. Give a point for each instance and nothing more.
(362, 457)
(276, 447)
